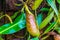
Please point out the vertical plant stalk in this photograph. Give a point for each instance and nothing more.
(35, 14)
(32, 27)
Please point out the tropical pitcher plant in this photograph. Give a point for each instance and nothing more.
(40, 19)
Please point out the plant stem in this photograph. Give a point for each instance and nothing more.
(26, 8)
(7, 17)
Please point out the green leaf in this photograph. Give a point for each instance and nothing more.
(12, 28)
(36, 4)
(1, 38)
(57, 29)
(15, 14)
(20, 17)
(58, 1)
(39, 18)
(28, 37)
(50, 27)
(44, 9)
(50, 10)
(53, 5)
(36, 38)
(46, 20)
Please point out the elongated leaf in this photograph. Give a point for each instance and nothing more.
(57, 29)
(58, 1)
(39, 18)
(36, 38)
(36, 4)
(15, 14)
(49, 28)
(50, 10)
(19, 17)
(46, 20)
(12, 28)
(44, 9)
(53, 5)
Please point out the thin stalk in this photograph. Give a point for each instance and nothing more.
(26, 8)
(17, 4)
(35, 14)
(7, 17)
(2, 16)
(45, 37)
